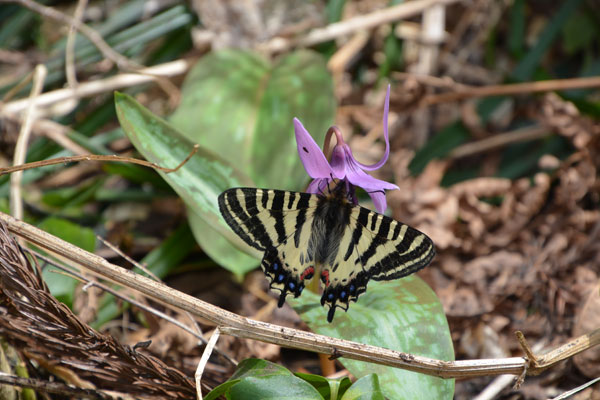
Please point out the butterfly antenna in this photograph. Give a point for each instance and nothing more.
(320, 188)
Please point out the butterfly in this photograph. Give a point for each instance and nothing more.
(303, 235)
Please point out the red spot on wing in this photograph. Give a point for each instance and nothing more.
(325, 277)
(307, 272)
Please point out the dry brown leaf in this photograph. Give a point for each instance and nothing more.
(588, 319)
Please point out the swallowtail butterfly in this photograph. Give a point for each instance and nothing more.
(303, 235)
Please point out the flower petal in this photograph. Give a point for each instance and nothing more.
(358, 177)
(339, 160)
(311, 155)
(377, 165)
(316, 186)
(379, 201)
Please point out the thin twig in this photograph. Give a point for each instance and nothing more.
(531, 358)
(431, 80)
(129, 259)
(497, 385)
(100, 86)
(95, 157)
(571, 392)
(121, 61)
(53, 131)
(358, 23)
(469, 92)
(58, 133)
(499, 140)
(70, 72)
(204, 359)
(16, 201)
(236, 325)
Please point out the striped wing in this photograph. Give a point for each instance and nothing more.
(373, 247)
(296, 241)
(278, 223)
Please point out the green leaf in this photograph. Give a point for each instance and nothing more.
(579, 32)
(516, 33)
(447, 139)
(256, 367)
(403, 315)
(61, 286)
(171, 252)
(241, 107)
(198, 182)
(328, 388)
(366, 388)
(276, 387)
(529, 63)
(219, 248)
(265, 380)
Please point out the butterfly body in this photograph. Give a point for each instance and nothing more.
(304, 236)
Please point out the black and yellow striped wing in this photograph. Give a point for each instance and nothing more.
(303, 235)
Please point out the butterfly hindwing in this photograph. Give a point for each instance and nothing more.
(305, 234)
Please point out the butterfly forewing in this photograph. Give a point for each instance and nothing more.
(305, 234)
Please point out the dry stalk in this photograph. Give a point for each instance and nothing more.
(16, 202)
(469, 92)
(94, 157)
(236, 325)
(92, 88)
(358, 23)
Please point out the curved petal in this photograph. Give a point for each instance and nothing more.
(339, 160)
(310, 153)
(316, 186)
(377, 165)
(358, 177)
(379, 201)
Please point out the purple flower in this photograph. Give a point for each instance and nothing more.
(344, 166)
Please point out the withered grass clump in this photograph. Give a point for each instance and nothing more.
(45, 330)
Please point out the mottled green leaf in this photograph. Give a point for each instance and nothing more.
(198, 182)
(403, 315)
(241, 107)
(219, 248)
(264, 380)
(328, 388)
(366, 388)
(274, 387)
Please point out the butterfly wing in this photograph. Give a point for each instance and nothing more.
(373, 247)
(294, 231)
(278, 223)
